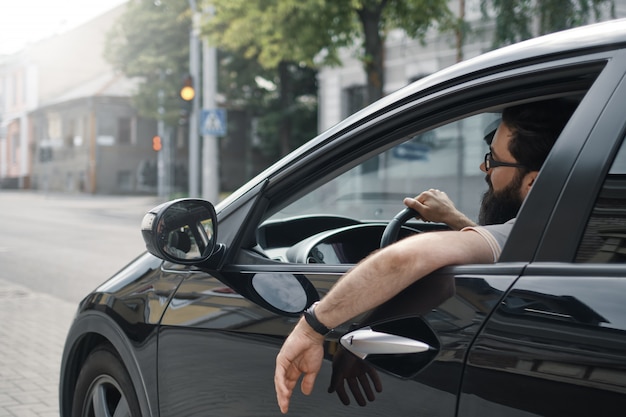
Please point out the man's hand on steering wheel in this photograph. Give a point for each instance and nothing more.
(435, 206)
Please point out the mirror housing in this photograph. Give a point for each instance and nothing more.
(182, 231)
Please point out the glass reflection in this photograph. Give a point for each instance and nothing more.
(282, 291)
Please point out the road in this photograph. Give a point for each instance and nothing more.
(54, 249)
(65, 245)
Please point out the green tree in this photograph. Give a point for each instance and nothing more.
(283, 33)
(249, 88)
(377, 17)
(150, 42)
(280, 36)
(516, 20)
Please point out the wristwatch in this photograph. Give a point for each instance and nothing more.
(311, 319)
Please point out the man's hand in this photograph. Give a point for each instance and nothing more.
(435, 206)
(302, 353)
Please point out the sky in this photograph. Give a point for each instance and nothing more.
(28, 21)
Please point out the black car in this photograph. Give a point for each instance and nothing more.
(192, 327)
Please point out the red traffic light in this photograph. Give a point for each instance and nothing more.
(156, 143)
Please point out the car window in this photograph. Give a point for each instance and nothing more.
(604, 240)
(446, 158)
(333, 211)
(342, 221)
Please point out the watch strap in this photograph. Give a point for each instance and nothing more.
(311, 319)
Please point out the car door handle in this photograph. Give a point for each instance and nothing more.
(365, 341)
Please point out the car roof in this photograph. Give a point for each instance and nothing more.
(572, 42)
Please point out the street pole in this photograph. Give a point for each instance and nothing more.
(161, 161)
(194, 136)
(210, 148)
(161, 157)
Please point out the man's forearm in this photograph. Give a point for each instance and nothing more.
(385, 273)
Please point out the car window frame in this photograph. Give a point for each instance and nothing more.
(387, 129)
(576, 167)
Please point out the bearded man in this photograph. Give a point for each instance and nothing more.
(519, 148)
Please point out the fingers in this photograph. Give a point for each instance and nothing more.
(308, 382)
(284, 388)
(302, 353)
(413, 203)
(283, 396)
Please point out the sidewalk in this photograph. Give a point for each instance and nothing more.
(33, 327)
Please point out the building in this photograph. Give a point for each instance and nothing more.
(67, 123)
(91, 140)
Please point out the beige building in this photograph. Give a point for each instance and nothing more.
(66, 122)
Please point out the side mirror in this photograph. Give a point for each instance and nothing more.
(181, 231)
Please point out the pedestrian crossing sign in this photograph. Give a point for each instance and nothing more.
(213, 122)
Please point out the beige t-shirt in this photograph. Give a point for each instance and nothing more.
(495, 235)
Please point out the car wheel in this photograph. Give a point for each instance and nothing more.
(104, 388)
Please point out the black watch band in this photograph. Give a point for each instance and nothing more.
(311, 319)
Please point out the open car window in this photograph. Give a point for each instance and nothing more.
(334, 210)
(447, 158)
(356, 205)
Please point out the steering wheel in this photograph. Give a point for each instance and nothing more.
(392, 230)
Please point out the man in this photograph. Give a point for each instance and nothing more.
(519, 148)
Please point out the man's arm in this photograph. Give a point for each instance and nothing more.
(373, 281)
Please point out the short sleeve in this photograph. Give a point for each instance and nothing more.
(495, 236)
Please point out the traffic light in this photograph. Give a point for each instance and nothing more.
(157, 145)
(187, 91)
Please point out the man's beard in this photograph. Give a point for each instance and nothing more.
(500, 207)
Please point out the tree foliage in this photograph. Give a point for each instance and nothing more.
(151, 42)
(517, 20)
(284, 47)
(313, 32)
(274, 31)
(281, 121)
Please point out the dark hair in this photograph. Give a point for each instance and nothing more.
(535, 127)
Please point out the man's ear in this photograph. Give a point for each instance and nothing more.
(529, 180)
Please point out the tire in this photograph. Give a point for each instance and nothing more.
(104, 388)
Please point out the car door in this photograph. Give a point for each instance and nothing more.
(219, 337)
(556, 344)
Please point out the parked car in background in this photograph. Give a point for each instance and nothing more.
(192, 327)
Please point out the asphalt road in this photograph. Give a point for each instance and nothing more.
(66, 245)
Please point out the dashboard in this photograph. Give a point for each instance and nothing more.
(311, 240)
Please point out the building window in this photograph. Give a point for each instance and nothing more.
(55, 127)
(70, 133)
(124, 181)
(124, 130)
(15, 139)
(15, 84)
